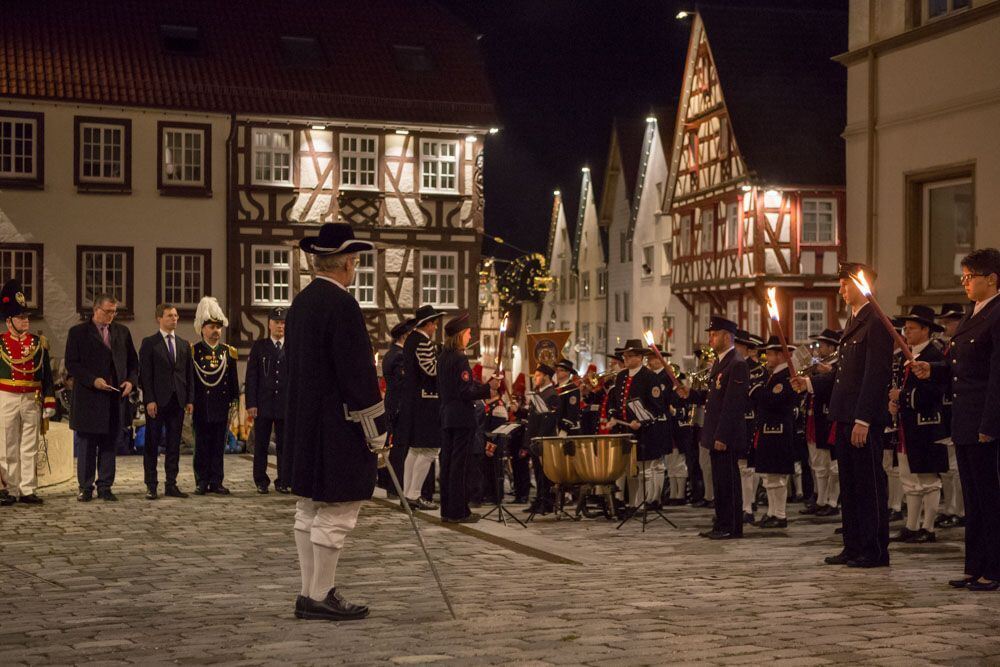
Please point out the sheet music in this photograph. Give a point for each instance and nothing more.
(505, 429)
(640, 412)
(538, 403)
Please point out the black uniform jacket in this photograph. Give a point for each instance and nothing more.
(392, 372)
(641, 398)
(776, 402)
(758, 376)
(542, 424)
(457, 390)
(725, 403)
(88, 358)
(590, 416)
(568, 412)
(861, 383)
(973, 367)
(921, 422)
(216, 386)
(819, 411)
(162, 377)
(334, 402)
(419, 409)
(681, 423)
(265, 379)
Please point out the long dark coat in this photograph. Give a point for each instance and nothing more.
(653, 436)
(334, 402)
(818, 407)
(419, 422)
(87, 358)
(266, 382)
(921, 422)
(775, 402)
(725, 403)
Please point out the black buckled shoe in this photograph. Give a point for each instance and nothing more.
(748, 518)
(810, 509)
(827, 510)
(151, 493)
(262, 489)
(284, 488)
(904, 535)
(221, 490)
(107, 495)
(922, 536)
(300, 605)
(85, 495)
(840, 559)
(30, 499)
(200, 490)
(333, 608)
(977, 585)
(174, 492)
(961, 583)
(6, 499)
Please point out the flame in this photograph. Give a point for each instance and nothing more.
(503, 325)
(772, 304)
(649, 338)
(862, 283)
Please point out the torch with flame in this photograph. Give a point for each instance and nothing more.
(772, 310)
(499, 356)
(862, 284)
(670, 371)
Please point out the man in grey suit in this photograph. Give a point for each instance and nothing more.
(165, 377)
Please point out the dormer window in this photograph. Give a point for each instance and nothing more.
(181, 39)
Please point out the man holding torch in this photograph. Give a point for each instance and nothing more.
(860, 413)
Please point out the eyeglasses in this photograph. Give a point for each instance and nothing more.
(109, 311)
(966, 278)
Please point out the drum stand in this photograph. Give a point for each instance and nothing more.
(644, 507)
(502, 512)
(558, 507)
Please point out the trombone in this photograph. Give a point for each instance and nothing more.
(813, 368)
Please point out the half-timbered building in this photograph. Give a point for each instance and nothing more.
(755, 191)
(162, 153)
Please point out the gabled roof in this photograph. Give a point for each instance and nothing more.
(787, 99)
(557, 205)
(380, 60)
(581, 216)
(631, 138)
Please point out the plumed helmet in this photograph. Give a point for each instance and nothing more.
(208, 311)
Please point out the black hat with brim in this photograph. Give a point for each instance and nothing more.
(617, 354)
(828, 336)
(335, 238)
(774, 343)
(12, 301)
(633, 346)
(924, 316)
(545, 369)
(277, 314)
(716, 323)
(951, 311)
(457, 324)
(403, 327)
(567, 366)
(743, 338)
(425, 314)
(848, 269)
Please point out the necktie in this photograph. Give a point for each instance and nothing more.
(278, 345)
(106, 336)
(170, 347)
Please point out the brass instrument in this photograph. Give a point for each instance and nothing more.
(813, 368)
(598, 380)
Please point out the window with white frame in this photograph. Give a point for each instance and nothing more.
(272, 275)
(685, 248)
(359, 161)
(618, 307)
(732, 225)
(104, 271)
(585, 336)
(666, 258)
(439, 279)
(183, 156)
(20, 139)
(183, 277)
(707, 230)
(753, 317)
(272, 156)
(647, 261)
(819, 221)
(733, 310)
(647, 323)
(809, 317)
(438, 166)
(602, 283)
(948, 229)
(102, 153)
(626, 306)
(22, 262)
(602, 337)
(938, 8)
(585, 285)
(363, 287)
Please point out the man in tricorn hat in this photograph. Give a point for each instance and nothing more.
(266, 396)
(335, 424)
(26, 393)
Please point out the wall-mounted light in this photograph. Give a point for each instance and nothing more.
(403, 132)
(682, 15)
(586, 170)
(556, 193)
(747, 188)
(319, 127)
(650, 119)
(494, 130)
(471, 138)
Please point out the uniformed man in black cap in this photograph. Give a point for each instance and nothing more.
(266, 400)
(858, 408)
(747, 348)
(568, 414)
(392, 373)
(543, 407)
(216, 392)
(773, 457)
(724, 431)
(821, 455)
(953, 512)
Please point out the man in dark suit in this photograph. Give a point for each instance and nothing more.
(335, 423)
(165, 377)
(859, 409)
(266, 400)
(724, 431)
(392, 373)
(101, 359)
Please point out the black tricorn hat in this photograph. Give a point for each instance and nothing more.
(425, 314)
(567, 366)
(828, 336)
(951, 311)
(924, 316)
(633, 346)
(716, 323)
(12, 301)
(277, 314)
(403, 327)
(545, 369)
(457, 324)
(743, 337)
(335, 238)
(774, 343)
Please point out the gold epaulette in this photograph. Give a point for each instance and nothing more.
(43, 342)
(232, 352)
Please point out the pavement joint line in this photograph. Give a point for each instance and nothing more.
(32, 574)
(465, 529)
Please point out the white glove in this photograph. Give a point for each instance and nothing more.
(49, 413)
(377, 443)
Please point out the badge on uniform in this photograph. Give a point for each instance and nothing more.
(718, 381)
(656, 392)
(572, 400)
(778, 388)
(465, 376)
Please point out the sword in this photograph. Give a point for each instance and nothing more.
(420, 539)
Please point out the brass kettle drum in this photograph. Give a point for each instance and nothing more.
(586, 459)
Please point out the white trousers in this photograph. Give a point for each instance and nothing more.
(677, 471)
(923, 493)
(777, 494)
(415, 467)
(827, 475)
(954, 501)
(705, 461)
(647, 484)
(748, 481)
(320, 532)
(895, 488)
(20, 417)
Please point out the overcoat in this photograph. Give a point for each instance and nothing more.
(419, 422)
(88, 358)
(775, 402)
(921, 422)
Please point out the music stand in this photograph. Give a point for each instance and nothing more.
(644, 507)
(503, 434)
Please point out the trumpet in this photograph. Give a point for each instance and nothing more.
(598, 380)
(813, 368)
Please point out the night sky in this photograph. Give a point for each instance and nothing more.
(561, 71)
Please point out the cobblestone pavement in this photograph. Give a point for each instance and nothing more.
(212, 580)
